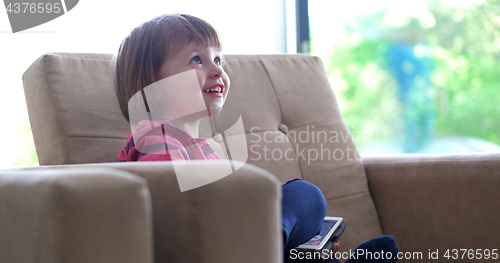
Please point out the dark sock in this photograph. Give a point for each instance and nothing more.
(379, 249)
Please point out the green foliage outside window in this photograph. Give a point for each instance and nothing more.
(460, 48)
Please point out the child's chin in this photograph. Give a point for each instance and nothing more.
(212, 111)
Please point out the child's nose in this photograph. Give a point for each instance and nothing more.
(216, 71)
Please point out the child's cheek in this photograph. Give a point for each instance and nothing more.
(227, 83)
(201, 79)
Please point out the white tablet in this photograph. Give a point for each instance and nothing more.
(330, 224)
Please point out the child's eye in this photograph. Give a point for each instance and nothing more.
(195, 60)
(217, 61)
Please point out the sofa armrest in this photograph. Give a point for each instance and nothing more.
(74, 215)
(438, 201)
(234, 219)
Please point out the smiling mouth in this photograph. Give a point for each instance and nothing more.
(217, 89)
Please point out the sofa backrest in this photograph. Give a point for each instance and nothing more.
(293, 125)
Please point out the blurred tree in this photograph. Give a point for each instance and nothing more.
(467, 47)
(464, 44)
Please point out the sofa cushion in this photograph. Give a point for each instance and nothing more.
(291, 117)
(73, 109)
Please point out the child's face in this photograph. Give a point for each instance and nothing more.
(207, 62)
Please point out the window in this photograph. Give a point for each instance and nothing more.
(416, 76)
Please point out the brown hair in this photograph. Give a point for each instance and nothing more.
(143, 51)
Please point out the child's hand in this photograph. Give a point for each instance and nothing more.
(336, 247)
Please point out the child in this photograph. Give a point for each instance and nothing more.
(171, 44)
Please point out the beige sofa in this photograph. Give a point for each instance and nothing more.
(83, 206)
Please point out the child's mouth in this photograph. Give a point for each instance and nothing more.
(216, 90)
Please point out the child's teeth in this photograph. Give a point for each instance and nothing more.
(218, 89)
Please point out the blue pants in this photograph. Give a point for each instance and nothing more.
(303, 210)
